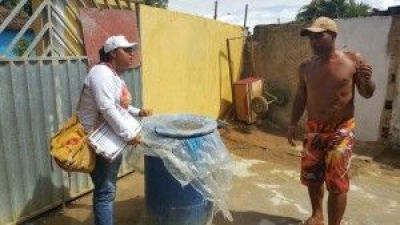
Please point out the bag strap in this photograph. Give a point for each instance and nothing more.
(80, 97)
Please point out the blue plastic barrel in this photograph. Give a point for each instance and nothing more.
(167, 202)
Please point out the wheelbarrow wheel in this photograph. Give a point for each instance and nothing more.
(259, 105)
(280, 99)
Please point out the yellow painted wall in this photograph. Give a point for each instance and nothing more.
(184, 59)
(185, 62)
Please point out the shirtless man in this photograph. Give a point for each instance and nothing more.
(327, 83)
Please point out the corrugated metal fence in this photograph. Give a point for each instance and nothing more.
(36, 96)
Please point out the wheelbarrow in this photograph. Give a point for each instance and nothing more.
(260, 104)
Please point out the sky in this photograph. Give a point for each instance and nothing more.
(259, 11)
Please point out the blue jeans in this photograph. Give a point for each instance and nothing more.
(104, 177)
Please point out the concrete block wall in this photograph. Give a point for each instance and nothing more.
(279, 51)
(391, 114)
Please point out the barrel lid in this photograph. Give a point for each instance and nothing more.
(185, 126)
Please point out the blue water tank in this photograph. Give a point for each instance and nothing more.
(167, 202)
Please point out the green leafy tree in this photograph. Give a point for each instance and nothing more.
(157, 3)
(333, 9)
(355, 9)
(21, 46)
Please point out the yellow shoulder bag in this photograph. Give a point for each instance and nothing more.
(69, 146)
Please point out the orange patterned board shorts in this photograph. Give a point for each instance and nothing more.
(327, 155)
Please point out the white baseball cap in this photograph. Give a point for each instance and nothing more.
(119, 41)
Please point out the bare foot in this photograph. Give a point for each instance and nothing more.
(313, 221)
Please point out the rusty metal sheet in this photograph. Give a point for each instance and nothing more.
(98, 25)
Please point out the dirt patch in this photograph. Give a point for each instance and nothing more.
(268, 142)
(252, 142)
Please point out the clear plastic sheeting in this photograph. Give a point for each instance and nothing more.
(192, 151)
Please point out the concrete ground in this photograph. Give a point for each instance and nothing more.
(266, 188)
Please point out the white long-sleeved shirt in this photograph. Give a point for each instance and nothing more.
(104, 97)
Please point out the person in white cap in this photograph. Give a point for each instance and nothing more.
(104, 97)
(327, 81)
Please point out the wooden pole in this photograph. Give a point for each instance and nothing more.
(245, 15)
(215, 9)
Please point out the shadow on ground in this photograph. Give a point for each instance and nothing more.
(130, 211)
(40, 201)
(389, 158)
(254, 218)
(57, 216)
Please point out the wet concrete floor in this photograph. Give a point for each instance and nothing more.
(266, 191)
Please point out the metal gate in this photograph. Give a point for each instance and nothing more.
(41, 72)
(55, 23)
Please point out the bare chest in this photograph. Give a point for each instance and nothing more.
(329, 78)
